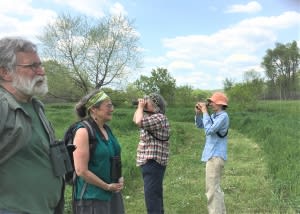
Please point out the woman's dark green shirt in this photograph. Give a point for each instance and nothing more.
(99, 164)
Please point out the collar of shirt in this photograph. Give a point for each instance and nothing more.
(218, 114)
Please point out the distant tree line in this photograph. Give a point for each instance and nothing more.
(282, 81)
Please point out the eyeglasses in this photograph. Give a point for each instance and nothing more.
(109, 106)
(34, 66)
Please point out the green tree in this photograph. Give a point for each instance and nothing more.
(132, 93)
(184, 96)
(95, 52)
(281, 66)
(114, 44)
(160, 81)
(123, 97)
(118, 97)
(201, 95)
(228, 84)
(247, 93)
(61, 86)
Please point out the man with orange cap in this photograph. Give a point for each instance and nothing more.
(215, 151)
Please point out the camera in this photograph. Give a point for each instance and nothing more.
(60, 158)
(116, 168)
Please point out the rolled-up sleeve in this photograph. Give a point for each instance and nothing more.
(219, 124)
(198, 121)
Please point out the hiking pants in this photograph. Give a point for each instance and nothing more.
(153, 174)
(214, 194)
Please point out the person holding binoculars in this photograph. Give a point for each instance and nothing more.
(215, 150)
(153, 148)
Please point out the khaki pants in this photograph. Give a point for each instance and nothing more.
(214, 194)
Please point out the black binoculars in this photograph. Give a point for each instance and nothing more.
(206, 103)
(135, 102)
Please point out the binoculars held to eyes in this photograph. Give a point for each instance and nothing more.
(206, 103)
(136, 102)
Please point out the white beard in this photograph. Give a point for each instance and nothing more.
(37, 86)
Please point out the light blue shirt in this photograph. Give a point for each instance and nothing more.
(215, 146)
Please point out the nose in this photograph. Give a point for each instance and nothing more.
(40, 71)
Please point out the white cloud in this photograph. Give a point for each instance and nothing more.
(118, 9)
(16, 7)
(229, 52)
(210, 63)
(156, 60)
(240, 59)
(19, 17)
(94, 8)
(178, 65)
(28, 26)
(247, 36)
(196, 79)
(283, 21)
(251, 7)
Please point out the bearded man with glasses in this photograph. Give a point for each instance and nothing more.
(29, 180)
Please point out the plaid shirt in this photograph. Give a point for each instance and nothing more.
(154, 142)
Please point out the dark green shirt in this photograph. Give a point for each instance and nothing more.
(27, 182)
(100, 165)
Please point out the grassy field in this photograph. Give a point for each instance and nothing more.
(275, 127)
(261, 174)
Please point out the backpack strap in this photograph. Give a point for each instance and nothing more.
(218, 133)
(89, 124)
(222, 136)
(157, 138)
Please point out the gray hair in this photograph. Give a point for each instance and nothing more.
(158, 101)
(9, 46)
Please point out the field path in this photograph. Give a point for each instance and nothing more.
(245, 180)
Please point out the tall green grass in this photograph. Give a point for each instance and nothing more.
(275, 125)
(261, 175)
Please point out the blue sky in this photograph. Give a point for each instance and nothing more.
(200, 42)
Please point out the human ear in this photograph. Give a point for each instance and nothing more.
(5, 75)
